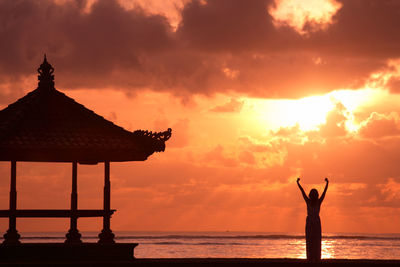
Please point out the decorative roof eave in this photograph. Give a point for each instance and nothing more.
(153, 142)
(155, 139)
(69, 155)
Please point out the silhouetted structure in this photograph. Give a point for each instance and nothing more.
(313, 222)
(48, 126)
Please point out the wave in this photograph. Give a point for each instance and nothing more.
(222, 244)
(248, 237)
(167, 243)
(220, 237)
(197, 244)
(212, 237)
(363, 237)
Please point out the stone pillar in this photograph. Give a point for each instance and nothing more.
(12, 236)
(106, 235)
(73, 235)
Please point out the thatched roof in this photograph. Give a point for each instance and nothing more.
(48, 126)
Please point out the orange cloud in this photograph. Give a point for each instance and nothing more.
(233, 105)
(212, 47)
(304, 16)
(379, 125)
(223, 163)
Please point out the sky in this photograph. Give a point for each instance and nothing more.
(257, 93)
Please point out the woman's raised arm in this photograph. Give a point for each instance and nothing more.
(302, 190)
(326, 188)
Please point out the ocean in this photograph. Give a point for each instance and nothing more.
(243, 244)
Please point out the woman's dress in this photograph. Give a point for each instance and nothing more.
(313, 231)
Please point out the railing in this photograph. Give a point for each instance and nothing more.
(28, 213)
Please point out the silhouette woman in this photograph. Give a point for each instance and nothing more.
(313, 222)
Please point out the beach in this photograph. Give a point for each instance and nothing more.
(261, 245)
(222, 249)
(218, 262)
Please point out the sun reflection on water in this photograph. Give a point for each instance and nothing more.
(297, 249)
(328, 249)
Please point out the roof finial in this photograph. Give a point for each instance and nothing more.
(46, 77)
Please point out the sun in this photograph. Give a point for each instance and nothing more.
(307, 112)
(310, 113)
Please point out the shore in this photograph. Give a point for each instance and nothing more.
(207, 262)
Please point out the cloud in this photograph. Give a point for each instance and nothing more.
(221, 25)
(335, 122)
(217, 46)
(88, 44)
(218, 171)
(391, 190)
(394, 85)
(304, 16)
(214, 185)
(181, 134)
(233, 105)
(362, 28)
(380, 125)
(217, 156)
(362, 157)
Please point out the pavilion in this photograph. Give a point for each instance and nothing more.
(48, 126)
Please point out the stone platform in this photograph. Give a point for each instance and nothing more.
(67, 252)
(210, 262)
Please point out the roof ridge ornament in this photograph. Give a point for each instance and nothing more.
(46, 77)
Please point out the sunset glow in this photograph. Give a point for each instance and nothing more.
(257, 93)
(307, 112)
(311, 112)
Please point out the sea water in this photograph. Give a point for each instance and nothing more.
(243, 244)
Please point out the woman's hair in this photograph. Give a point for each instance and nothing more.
(313, 195)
